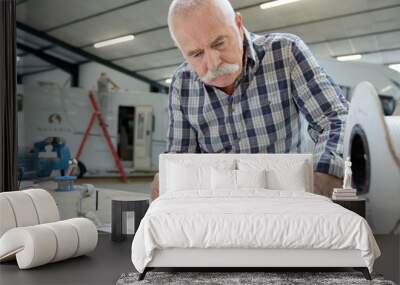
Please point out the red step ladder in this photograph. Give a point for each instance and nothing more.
(97, 114)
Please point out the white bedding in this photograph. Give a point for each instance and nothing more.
(251, 218)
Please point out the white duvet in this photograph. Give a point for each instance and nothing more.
(252, 218)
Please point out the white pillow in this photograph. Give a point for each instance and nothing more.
(187, 177)
(282, 174)
(251, 178)
(184, 174)
(226, 179)
(223, 179)
(293, 178)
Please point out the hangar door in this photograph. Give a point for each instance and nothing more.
(143, 138)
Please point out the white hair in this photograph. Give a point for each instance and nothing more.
(226, 68)
(186, 6)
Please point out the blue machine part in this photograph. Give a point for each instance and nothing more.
(32, 165)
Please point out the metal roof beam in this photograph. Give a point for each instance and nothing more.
(41, 49)
(89, 56)
(70, 68)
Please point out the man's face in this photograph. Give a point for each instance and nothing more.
(211, 45)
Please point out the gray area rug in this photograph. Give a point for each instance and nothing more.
(273, 278)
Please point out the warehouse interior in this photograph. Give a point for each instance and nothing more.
(88, 149)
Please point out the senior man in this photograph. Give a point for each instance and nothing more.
(238, 92)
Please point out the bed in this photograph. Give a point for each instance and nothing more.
(245, 211)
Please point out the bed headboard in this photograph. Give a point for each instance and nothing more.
(269, 158)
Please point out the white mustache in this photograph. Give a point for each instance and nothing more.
(226, 68)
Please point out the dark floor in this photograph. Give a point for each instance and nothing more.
(388, 263)
(111, 259)
(103, 266)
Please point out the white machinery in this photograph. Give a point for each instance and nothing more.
(372, 141)
(349, 74)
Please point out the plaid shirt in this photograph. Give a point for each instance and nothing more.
(281, 78)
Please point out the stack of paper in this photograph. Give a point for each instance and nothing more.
(344, 194)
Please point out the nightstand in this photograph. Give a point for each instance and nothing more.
(119, 205)
(357, 206)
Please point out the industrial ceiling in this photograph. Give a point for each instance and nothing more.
(67, 30)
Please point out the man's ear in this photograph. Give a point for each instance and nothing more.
(239, 23)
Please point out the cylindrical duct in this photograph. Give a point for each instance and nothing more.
(372, 141)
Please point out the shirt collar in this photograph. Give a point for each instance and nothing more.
(248, 42)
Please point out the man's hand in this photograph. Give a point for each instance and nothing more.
(324, 184)
(154, 188)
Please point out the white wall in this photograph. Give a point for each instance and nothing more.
(57, 76)
(90, 72)
(88, 75)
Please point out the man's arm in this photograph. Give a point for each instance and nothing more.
(114, 85)
(324, 107)
(180, 135)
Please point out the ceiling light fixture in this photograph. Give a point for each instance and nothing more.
(276, 3)
(168, 80)
(395, 67)
(350, 57)
(114, 41)
(386, 88)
